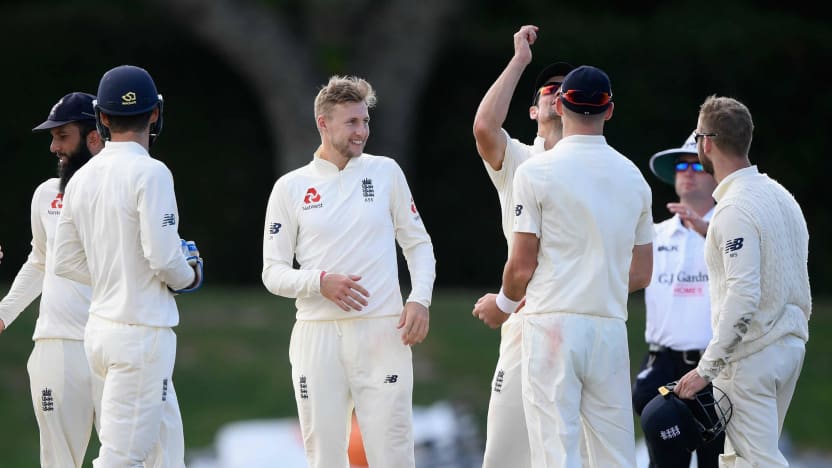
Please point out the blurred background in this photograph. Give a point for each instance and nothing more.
(239, 79)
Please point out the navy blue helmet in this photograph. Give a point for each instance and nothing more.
(671, 423)
(127, 90)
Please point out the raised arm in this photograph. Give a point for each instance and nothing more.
(493, 109)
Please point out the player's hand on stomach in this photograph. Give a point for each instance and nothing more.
(344, 291)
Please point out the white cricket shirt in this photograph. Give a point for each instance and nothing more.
(677, 299)
(516, 153)
(347, 222)
(118, 232)
(589, 206)
(64, 304)
(757, 249)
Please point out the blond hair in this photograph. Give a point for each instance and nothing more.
(342, 89)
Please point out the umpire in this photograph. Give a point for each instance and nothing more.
(677, 299)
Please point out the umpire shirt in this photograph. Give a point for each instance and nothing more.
(677, 299)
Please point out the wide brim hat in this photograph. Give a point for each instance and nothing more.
(663, 163)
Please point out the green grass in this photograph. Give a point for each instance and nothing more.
(233, 364)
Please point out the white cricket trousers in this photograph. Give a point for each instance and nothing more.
(576, 368)
(132, 368)
(507, 441)
(59, 379)
(760, 387)
(360, 363)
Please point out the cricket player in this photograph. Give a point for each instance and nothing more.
(59, 376)
(340, 217)
(507, 441)
(118, 232)
(583, 235)
(757, 251)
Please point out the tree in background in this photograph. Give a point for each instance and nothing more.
(286, 50)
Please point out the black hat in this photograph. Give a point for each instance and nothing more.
(553, 69)
(586, 90)
(662, 163)
(71, 108)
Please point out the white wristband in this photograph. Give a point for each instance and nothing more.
(506, 305)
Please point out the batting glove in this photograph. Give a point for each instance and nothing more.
(191, 254)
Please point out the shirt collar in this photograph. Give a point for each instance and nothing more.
(583, 139)
(325, 167)
(539, 144)
(726, 183)
(130, 146)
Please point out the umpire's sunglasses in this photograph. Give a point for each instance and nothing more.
(682, 166)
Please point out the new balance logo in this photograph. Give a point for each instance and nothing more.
(304, 392)
(367, 190)
(670, 433)
(518, 209)
(164, 389)
(733, 245)
(274, 228)
(46, 401)
(668, 248)
(168, 220)
(498, 382)
(391, 378)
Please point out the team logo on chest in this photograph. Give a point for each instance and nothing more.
(312, 199)
(367, 190)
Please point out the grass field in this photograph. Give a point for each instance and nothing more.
(233, 364)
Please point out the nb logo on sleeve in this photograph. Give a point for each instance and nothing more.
(518, 209)
(274, 228)
(733, 245)
(168, 220)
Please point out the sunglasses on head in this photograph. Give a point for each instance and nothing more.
(682, 166)
(582, 98)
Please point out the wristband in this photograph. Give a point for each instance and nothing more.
(323, 273)
(506, 305)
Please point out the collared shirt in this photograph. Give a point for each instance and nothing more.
(347, 222)
(677, 299)
(64, 304)
(118, 232)
(589, 206)
(757, 251)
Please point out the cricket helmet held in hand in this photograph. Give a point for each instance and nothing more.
(673, 423)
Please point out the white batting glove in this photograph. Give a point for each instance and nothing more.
(191, 254)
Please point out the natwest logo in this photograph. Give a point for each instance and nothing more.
(312, 196)
(312, 199)
(58, 202)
